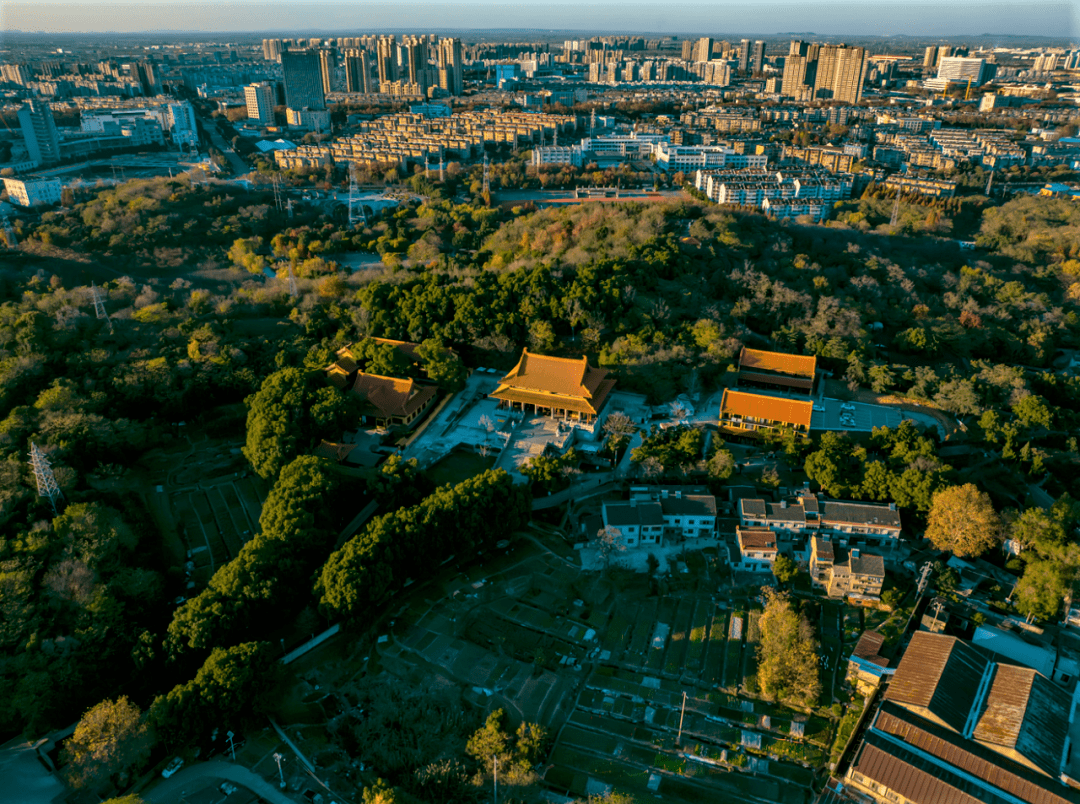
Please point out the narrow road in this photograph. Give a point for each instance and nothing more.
(167, 791)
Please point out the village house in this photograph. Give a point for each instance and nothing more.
(852, 574)
(757, 549)
(866, 665)
(655, 515)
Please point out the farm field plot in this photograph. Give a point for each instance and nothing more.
(215, 523)
(716, 650)
(680, 637)
(698, 638)
(733, 660)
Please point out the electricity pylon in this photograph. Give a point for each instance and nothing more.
(43, 474)
(99, 305)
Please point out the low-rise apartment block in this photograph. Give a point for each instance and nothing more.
(688, 158)
(847, 574)
(923, 185)
(32, 192)
(807, 514)
(413, 138)
(655, 515)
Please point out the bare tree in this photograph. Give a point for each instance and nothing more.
(610, 542)
(619, 424)
(679, 412)
(651, 467)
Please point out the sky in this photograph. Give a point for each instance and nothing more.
(766, 17)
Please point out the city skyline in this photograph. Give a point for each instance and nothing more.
(769, 18)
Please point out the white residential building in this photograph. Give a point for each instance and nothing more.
(557, 155)
(757, 549)
(703, 157)
(806, 515)
(654, 514)
(32, 192)
(260, 103)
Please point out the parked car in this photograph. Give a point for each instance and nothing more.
(172, 767)
(228, 789)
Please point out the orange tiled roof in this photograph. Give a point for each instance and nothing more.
(772, 408)
(760, 360)
(391, 396)
(560, 382)
(755, 538)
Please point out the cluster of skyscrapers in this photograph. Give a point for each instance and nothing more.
(750, 55)
(423, 66)
(824, 72)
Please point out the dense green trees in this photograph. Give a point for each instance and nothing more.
(234, 686)
(272, 572)
(411, 542)
(291, 411)
(787, 653)
(1051, 552)
(549, 473)
(906, 470)
(669, 450)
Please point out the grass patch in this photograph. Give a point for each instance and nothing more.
(459, 465)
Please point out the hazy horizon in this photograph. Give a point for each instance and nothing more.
(766, 18)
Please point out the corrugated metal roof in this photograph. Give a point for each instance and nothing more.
(969, 757)
(869, 647)
(940, 674)
(916, 784)
(1027, 713)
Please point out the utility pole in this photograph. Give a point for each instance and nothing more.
(487, 177)
(43, 474)
(232, 747)
(678, 740)
(278, 757)
(442, 165)
(896, 209)
(937, 611)
(496, 780)
(989, 182)
(924, 577)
